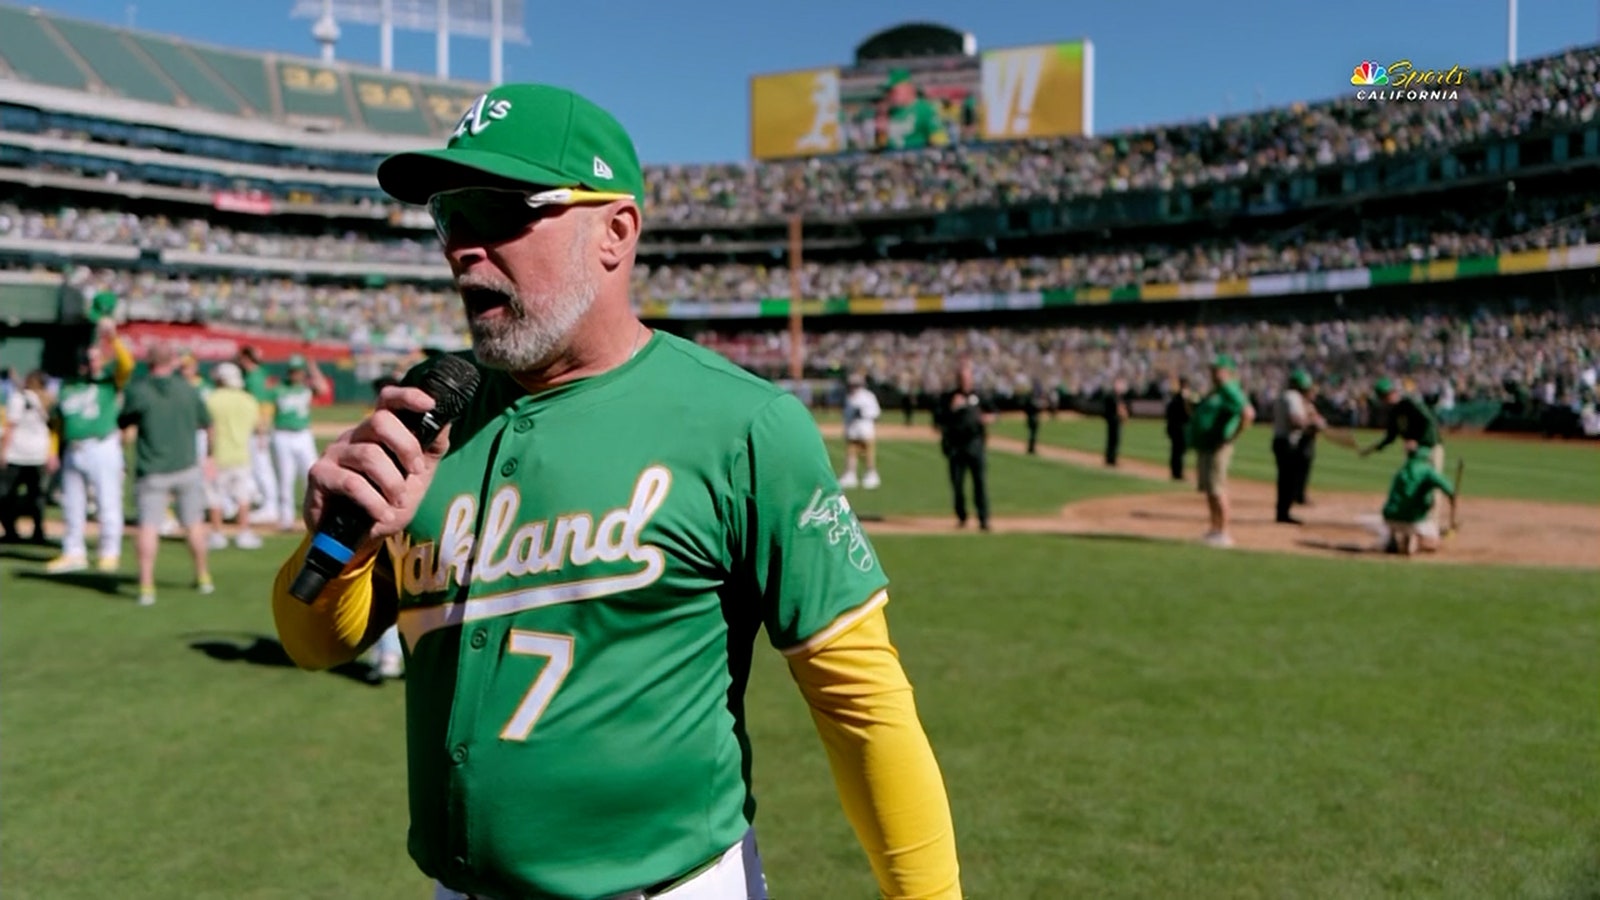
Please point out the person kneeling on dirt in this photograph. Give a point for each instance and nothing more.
(1407, 512)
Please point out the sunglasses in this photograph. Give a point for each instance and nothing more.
(493, 215)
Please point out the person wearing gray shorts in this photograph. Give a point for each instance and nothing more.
(186, 489)
(167, 412)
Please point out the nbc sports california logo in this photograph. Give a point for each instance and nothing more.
(1402, 81)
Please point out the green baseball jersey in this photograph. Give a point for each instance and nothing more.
(1411, 492)
(87, 407)
(1216, 416)
(291, 407)
(580, 593)
(255, 381)
(1411, 419)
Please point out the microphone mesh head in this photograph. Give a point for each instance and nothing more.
(450, 381)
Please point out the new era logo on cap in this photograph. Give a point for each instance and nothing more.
(601, 170)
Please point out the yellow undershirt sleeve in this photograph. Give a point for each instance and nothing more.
(342, 622)
(888, 780)
(122, 365)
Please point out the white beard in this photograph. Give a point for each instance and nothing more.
(534, 329)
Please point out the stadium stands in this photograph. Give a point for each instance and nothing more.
(189, 77)
(265, 214)
(115, 65)
(31, 50)
(299, 94)
(1457, 358)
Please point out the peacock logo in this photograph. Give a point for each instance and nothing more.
(1369, 73)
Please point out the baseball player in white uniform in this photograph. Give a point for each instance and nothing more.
(85, 420)
(293, 447)
(861, 412)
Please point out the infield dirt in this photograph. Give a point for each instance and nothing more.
(1493, 531)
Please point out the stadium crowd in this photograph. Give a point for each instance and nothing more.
(1497, 102)
(1492, 103)
(401, 313)
(1533, 356)
(1494, 225)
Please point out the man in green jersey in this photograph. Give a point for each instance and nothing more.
(1408, 419)
(266, 476)
(1218, 420)
(167, 412)
(294, 448)
(580, 565)
(1408, 513)
(90, 456)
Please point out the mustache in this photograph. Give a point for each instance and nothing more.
(485, 291)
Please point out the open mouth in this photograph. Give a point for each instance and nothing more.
(484, 300)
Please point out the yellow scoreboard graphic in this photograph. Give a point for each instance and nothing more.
(1040, 91)
(795, 114)
(1014, 93)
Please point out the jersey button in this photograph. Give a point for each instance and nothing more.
(459, 754)
(523, 426)
(479, 638)
(509, 468)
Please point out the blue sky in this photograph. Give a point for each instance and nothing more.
(676, 71)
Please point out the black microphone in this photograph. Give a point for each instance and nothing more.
(450, 381)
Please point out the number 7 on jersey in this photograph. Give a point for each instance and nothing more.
(557, 650)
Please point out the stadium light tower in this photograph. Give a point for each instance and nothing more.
(1511, 32)
(326, 31)
(496, 21)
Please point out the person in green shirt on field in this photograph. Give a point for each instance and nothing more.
(1219, 418)
(266, 477)
(1409, 512)
(1408, 419)
(166, 411)
(293, 447)
(84, 422)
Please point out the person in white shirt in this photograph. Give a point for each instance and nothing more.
(861, 412)
(24, 450)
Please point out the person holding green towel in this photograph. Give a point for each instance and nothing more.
(1409, 515)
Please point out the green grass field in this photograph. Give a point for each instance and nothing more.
(1550, 472)
(1114, 718)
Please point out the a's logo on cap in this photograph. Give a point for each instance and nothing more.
(601, 170)
(480, 115)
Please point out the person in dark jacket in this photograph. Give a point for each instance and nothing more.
(963, 416)
(1032, 406)
(1180, 406)
(1115, 411)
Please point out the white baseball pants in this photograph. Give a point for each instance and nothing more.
(97, 462)
(262, 470)
(294, 452)
(737, 875)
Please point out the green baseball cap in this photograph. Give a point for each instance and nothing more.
(1300, 379)
(1223, 361)
(102, 306)
(522, 135)
(898, 77)
(1382, 387)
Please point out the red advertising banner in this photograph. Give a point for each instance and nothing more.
(211, 344)
(254, 202)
